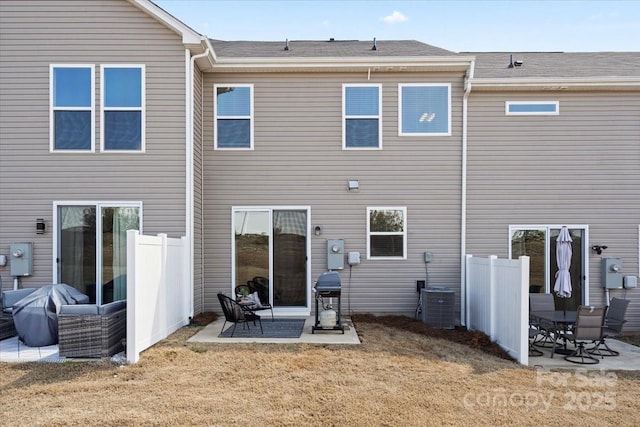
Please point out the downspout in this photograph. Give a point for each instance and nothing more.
(464, 292)
(189, 166)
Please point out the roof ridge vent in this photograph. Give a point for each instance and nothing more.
(513, 63)
(374, 47)
(286, 44)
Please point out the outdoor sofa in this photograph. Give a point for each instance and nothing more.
(86, 330)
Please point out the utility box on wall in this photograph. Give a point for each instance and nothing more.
(335, 254)
(21, 259)
(612, 273)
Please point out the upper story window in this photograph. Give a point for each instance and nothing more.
(123, 121)
(425, 109)
(233, 127)
(387, 233)
(72, 108)
(362, 117)
(532, 108)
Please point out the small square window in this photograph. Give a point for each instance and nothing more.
(362, 120)
(72, 104)
(123, 118)
(425, 109)
(387, 233)
(233, 127)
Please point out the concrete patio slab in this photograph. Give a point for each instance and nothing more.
(14, 350)
(628, 360)
(210, 335)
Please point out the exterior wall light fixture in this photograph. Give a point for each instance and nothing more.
(40, 226)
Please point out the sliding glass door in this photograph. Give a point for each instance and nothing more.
(92, 248)
(539, 244)
(271, 245)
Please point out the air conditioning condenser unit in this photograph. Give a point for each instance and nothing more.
(438, 307)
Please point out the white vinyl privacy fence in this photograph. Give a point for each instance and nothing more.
(159, 291)
(497, 302)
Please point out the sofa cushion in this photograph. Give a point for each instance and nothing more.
(9, 298)
(78, 309)
(112, 307)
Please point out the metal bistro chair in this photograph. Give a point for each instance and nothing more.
(234, 313)
(547, 331)
(533, 333)
(613, 322)
(588, 329)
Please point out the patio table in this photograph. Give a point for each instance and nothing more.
(561, 320)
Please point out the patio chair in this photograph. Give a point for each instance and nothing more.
(235, 313)
(588, 329)
(613, 322)
(547, 331)
(533, 333)
(252, 288)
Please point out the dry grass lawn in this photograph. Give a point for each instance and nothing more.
(395, 378)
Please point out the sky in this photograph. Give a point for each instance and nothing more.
(456, 25)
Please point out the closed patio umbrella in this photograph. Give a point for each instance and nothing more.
(562, 287)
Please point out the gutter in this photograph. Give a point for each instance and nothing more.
(189, 226)
(464, 292)
(556, 83)
(327, 63)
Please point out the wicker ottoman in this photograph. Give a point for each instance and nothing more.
(90, 331)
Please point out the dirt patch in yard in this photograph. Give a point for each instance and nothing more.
(461, 335)
(399, 375)
(203, 319)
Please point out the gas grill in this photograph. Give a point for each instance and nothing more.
(328, 286)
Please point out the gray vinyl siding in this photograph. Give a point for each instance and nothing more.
(198, 243)
(298, 160)
(35, 34)
(580, 167)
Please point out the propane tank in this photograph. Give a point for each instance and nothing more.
(328, 318)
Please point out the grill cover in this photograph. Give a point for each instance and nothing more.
(36, 315)
(328, 284)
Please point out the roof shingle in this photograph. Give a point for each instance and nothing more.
(488, 64)
(325, 49)
(556, 64)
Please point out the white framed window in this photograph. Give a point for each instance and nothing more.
(233, 109)
(72, 108)
(123, 108)
(532, 108)
(386, 233)
(424, 109)
(362, 116)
